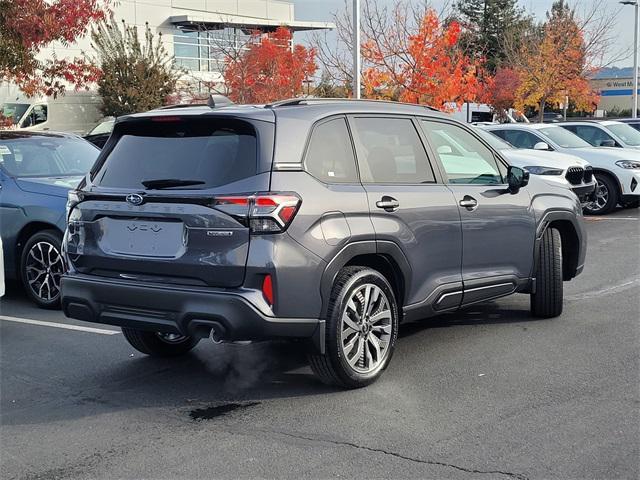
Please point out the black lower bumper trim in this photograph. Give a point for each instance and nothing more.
(175, 310)
(585, 193)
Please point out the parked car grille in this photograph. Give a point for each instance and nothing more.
(588, 174)
(574, 175)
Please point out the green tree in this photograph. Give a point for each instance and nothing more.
(486, 23)
(137, 76)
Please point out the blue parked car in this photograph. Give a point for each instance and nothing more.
(37, 169)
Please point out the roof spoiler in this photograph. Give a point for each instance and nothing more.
(217, 101)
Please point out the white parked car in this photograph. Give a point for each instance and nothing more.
(560, 168)
(605, 133)
(617, 170)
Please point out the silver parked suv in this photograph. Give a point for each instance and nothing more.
(328, 220)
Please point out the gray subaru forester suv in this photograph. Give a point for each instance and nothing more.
(326, 220)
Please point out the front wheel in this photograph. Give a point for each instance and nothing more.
(159, 344)
(547, 300)
(361, 330)
(606, 196)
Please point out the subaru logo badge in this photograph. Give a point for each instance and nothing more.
(135, 199)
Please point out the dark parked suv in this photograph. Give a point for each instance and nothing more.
(325, 220)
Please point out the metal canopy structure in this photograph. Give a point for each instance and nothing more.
(216, 21)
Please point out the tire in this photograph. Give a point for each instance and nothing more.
(351, 358)
(547, 301)
(159, 344)
(41, 266)
(606, 196)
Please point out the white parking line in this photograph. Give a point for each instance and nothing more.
(59, 325)
(597, 219)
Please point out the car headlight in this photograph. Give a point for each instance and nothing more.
(537, 170)
(628, 164)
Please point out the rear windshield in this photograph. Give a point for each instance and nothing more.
(47, 156)
(207, 152)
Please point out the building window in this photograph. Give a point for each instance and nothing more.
(206, 50)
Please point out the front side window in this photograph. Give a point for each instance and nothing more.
(465, 158)
(563, 137)
(36, 116)
(330, 154)
(390, 151)
(199, 153)
(46, 156)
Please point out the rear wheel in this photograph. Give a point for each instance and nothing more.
(159, 344)
(606, 196)
(41, 267)
(547, 301)
(362, 327)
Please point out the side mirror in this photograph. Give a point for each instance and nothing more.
(517, 178)
(541, 146)
(445, 150)
(608, 143)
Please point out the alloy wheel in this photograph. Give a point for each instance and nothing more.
(366, 329)
(602, 197)
(44, 267)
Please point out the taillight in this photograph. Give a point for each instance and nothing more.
(267, 290)
(262, 213)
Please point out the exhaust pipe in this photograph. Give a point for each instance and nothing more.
(216, 335)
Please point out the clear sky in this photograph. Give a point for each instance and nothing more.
(320, 10)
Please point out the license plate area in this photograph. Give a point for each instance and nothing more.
(142, 237)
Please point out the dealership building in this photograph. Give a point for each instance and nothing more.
(196, 32)
(615, 93)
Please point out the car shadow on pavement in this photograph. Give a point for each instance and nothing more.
(212, 375)
(486, 313)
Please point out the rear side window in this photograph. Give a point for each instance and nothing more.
(213, 152)
(390, 151)
(330, 154)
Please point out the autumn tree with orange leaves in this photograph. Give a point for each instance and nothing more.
(555, 66)
(269, 68)
(431, 69)
(29, 26)
(407, 53)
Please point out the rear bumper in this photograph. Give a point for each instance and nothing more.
(177, 310)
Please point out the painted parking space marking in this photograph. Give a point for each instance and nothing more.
(29, 321)
(598, 219)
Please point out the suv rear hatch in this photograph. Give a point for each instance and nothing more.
(156, 207)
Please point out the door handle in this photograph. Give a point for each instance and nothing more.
(469, 203)
(389, 204)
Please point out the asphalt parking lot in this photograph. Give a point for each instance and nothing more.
(484, 393)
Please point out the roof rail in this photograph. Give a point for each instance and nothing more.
(181, 105)
(217, 101)
(307, 101)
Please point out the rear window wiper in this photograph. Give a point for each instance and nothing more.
(161, 183)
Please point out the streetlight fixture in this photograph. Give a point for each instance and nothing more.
(356, 48)
(636, 34)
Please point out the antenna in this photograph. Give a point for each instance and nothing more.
(217, 101)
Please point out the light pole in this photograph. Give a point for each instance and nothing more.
(636, 34)
(356, 48)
